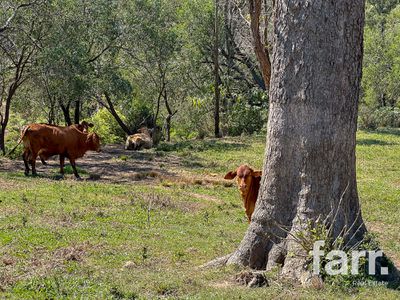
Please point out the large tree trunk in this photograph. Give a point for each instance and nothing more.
(309, 168)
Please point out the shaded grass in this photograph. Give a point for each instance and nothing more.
(72, 239)
(218, 156)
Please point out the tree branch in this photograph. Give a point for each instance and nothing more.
(14, 14)
(260, 49)
(114, 113)
(102, 51)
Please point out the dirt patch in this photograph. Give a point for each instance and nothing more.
(7, 165)
(73, 253)
(224, 284)
(42, 262)
(160, 202)
(113, 164)
(9, 184)
(204, 197)
(117, 165)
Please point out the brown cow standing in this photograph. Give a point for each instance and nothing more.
(83, 126)
(248, 182)
(48, 140)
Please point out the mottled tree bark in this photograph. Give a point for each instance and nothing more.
(309, 168)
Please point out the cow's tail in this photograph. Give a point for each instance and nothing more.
(24, 131)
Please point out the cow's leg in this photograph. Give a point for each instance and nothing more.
(43, 161)
(72, 161)
(33, 162)
(25, 157)
(43, 156)
(62, 161)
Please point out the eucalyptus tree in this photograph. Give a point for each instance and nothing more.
(20, 36)
(153, 47)
(381, 68)
(79, 34)
(309, 177)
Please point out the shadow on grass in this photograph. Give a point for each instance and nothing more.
(46, 173)
(389, 131)
(371, 142)
(392, 280)
(21, 175)
(198, 146)
(385, 131)
(193, 162)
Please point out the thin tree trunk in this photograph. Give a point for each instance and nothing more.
(230, 52)
(2, 139)
(77, 111)
(111, 109)
(168, 128)
(52, 101)
(169, 117)
(234, 53)
(21, 62)
(255, 7)
(51, 115)
(158, 103)
(309, 167)
(250, 65)
(65, 110)
(216, 71)
(6, 117)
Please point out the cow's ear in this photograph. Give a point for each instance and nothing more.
(256, 173)
(230, 175)
(90, 124)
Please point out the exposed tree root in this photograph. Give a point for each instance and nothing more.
(217, 262)
(266, 246)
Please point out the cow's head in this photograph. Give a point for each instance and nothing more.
(144, 130)
(245, 175)
(93, 142)
(84, 126)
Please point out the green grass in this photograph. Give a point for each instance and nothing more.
(67, 239)
(218, 156)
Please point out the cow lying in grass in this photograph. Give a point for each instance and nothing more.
(144, 139)
(47, 140)
(248, 182)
